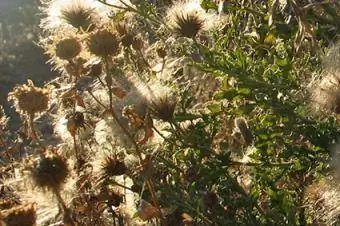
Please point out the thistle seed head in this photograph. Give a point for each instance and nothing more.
(164, 107)
(68, 48)
(103, 43)
(29, 98)
(113, 167)
(79, 16)
(49, 171)
(187, 25)
(23, 215)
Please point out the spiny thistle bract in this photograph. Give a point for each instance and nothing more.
(23, 215)
(103, 43)
(29, 98)
(187, 25)
(79, 16)
(49, 171)
(68, 48)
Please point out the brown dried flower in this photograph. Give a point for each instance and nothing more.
(23, 215)
(79, 16)
(113, 167)
(103, 43)
(187, 25)
(164, 107)
(29, 98)
(68, 48)
(49, 171)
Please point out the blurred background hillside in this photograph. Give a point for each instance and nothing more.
(20, 57)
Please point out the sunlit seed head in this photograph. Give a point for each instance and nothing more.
(30, 99)
(67, 49)
(23, 215)
(49, 171)
(103, 43)
(187, 25)
(79, 16)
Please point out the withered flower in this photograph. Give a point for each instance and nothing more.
(187, 25)
(23, 215)
(29, 98)
(68, 48)
(49, 171)
(79, 16)
(113, 167)
(103, 43)
(163, 107)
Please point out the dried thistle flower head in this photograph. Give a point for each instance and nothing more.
(163, 107)
(112, 166)
(79, 16)
(187, 25)
(23, 215)
(242, 127)
(103, 43)
(49, 171)
(29, 98)
(68, 48)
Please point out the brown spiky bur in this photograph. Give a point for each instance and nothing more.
(68, 48)
(49, 171)
(23, 215)
(241, 126)
(79, 15)
(112, 166)
(187, 25)
(163, 107)
(103, 43)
